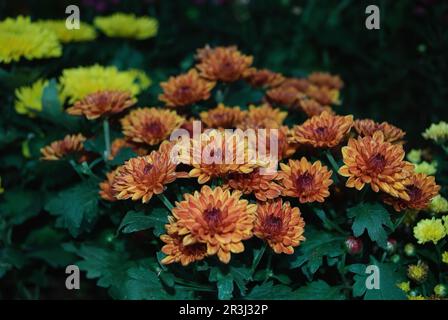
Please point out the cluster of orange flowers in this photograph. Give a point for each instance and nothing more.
(216, 221)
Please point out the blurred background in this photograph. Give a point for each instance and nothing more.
(396, 74)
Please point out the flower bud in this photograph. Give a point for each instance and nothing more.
(409, 250)
(354, 245)
(441, 290)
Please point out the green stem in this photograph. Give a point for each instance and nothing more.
(165, 201)
(268, 266)
(76, 168)
(258, 258)
(334, 164)
(106, 129)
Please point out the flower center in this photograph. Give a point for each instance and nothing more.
(212, 216)
(183, 90)
(414, 192)
(273, 225)
(377, 162)
(304, 182)
(154, 128)
(147, 168)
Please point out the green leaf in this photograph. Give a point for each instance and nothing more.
(318, 290)
(143, 284)
(389, 277)
(318, 244)
(76, 207)
(137, 221)
(11, 258)
(225, 287)
(20, 205)
(370, 217)
(123, 155)
(269, 291)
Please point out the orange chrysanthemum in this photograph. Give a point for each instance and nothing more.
(176, 251)
(306, 181)
(325, 96)
(71, 144)
(280, 225)
(283, 95)
(368, 127)
(264, 78)
(185, 89)
(224, 64)
(150, 125)
(262, 186)
(223, 117)
(420, 189)
(106, 190)
(102, 104)
(217, 154)
(263, 116)
(279, 136)
(323, 131)
(376, 162)
(324, 79)
(141, 177)
(311, 107)
(218, 218)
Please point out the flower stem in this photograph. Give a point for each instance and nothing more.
(165, 201)
(258, 258)
(333, 164)
(106, 129)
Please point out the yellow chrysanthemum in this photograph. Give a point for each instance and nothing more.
(438, 132)
(29, 98)
(85, 32)
(405, 286)
(445, 257)
(428, 230)
(415, 155)
(418, 272)
(438, 205)
(76, 83)
(20, 38)
(426, 168)
(141, 78)
(121, 25)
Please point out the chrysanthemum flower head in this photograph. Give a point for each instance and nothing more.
(324, 95)
(438, 205)
(263, 116)
(323, 131)
(262, 186)
(20, 38)
(223, 117)
(85, 32)
(429, 230)
(283, 96)
(106, 190)
(415, 155)
(218, 154)
(177, 252)
(224, 64)
(311, 107)
(264, 78)
(309, 182)
(122, 25)
(371, 160)
(219, 218)
(119, 144)
(70, 145)
(368, 127)
(150, 125)
(185, 89)
(280, 225)
(79, 82)
(29, 99)
(142, 177)
(438, 132)
(405, 286)
(418, 272)
(420, 189)
(324, 79)
(279, 136)
(102, 104)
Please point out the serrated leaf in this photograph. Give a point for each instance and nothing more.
(137, 221)
(20, 205)
(318, 244)
(269, 291)
(373, 218)
(225, 287)
(143, 284)
(318, 290)
(76, 207)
